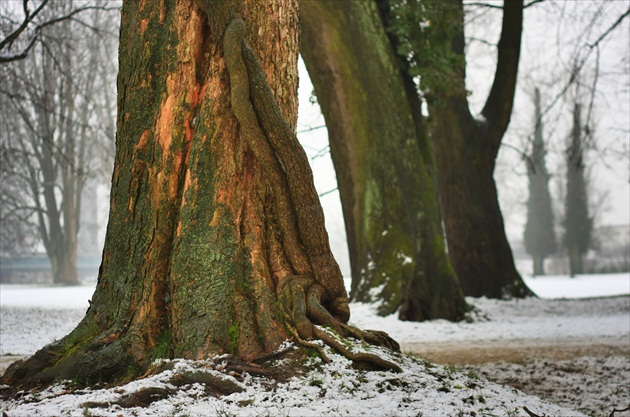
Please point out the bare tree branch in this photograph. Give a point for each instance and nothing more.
(328, 192)
(27, 20)
(310, 129)
(4, 58)
(496, 6)
(579, 65)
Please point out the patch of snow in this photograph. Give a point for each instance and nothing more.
(45, 297)
(405, 260)
(530, 318)
(559, 286)
(376, 291)
(330, 389)
(607, 376)
(32, 316)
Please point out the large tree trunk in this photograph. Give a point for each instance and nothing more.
(216, 241)
(466, 151)
(383, 164)
(477, 243)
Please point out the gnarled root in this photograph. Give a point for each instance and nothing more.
(368, 358)
(300, 299)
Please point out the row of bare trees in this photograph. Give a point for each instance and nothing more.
(577, 224)
(57, 104)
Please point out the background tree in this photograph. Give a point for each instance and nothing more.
(578, 225)
(587, 46)
(383, 160)
(465, 147)
(539, 235)
(216, 240)
(52, 103)
(19, 34)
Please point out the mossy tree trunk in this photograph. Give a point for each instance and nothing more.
(216, 241)
(383, 162)
(466, 149)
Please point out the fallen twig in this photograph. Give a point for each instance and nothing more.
(531, 414)
(612, 413)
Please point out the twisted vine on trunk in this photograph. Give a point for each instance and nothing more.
(306, 299)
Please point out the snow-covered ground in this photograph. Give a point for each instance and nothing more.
(31, 317)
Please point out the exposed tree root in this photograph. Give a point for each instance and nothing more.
(299, 298)
(368, 358)
(141, 398)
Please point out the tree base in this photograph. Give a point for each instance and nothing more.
(86, 358)
(222, 375)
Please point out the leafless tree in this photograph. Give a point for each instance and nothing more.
(20, 32)
(567, 46)
(57, 111)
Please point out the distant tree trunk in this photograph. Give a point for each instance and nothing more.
(383, 162)
(216, 240)
(538, 265)
(539, 235)
(466, 149)
(578, 224)
(56, 139)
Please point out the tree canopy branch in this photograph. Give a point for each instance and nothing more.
(28, 18)
(498, 107)
(496, 6)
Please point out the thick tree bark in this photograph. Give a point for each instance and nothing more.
(216, 242)
(466, 149)
(383, 163)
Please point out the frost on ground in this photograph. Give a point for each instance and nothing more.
(423, 389)
(571, 352)
(569, 383)
(25, 330)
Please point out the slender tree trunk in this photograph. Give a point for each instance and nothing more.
(539, 236)
(578, 224)
(539, 265)
(216, 240)
(383, 164)
(576, 264)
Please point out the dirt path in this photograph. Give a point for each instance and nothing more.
(592, 377)
(479, 352)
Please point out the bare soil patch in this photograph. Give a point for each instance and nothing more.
(592, 377)
(6, 360)
(480, 352)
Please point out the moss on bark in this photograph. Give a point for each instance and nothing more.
(383, 165)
